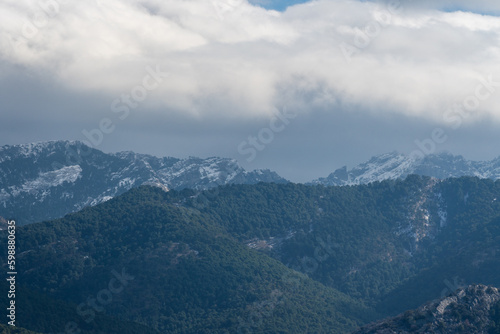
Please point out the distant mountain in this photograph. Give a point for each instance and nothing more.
(48, 180)
(397, 166)
(473, 309)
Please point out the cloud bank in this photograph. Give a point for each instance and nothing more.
(232, 59)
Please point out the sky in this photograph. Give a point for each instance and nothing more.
(301, 88)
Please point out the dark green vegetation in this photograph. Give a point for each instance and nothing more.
(48, 315)
(260, 258)
(13, 330)
(373, 240)
(189, 274)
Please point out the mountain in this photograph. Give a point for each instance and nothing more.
(263, 258)
(144, 258)
(48, 180)
(394, 244)
(474, 309)
(13, 330)
(37, 311)
(395, 165)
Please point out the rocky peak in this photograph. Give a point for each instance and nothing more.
(397, 166)
(467, 310)
(47, 180)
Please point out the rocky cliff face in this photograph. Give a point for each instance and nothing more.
(48, 180)
(397, 166)
(467, 310)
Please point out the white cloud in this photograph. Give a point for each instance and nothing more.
(227, 57)
(478, 6)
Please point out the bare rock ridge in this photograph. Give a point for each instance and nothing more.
(467, 310)
(47, 180)
(397, 166)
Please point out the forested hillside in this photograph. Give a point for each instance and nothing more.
(263, 258)
(185, 273)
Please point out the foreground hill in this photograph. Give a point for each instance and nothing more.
(181, 272)
(13, 330)
(474, 309)
(265, 258)
(395, 244)
(48, 314)
(47, 180)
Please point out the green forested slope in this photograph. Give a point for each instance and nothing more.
(189, 275)
(264, 258)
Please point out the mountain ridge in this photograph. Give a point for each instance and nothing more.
(466, 310)
(396, 165)
(230, 258)
(47, 180)
(184, 272)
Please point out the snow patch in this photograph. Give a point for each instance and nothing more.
(100, 200)
(53, 178)
(210, 172)
(45, 181)
(126, 182)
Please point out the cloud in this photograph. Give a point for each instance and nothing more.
(231, 59)
(491, 7)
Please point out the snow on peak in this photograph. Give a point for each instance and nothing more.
(32, 175)
(57, 177)
(395, 166)
(33, 150)
(47, 180)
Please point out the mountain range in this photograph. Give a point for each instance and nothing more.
(47, 180)
(267, 258)
(395, 165)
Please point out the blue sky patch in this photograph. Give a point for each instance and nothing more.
(280, 5)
